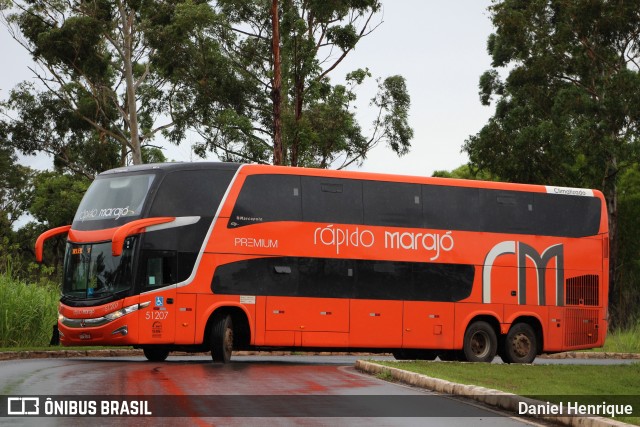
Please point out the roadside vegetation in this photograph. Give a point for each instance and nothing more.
(623, 340)
(587, 384)
(27, 312)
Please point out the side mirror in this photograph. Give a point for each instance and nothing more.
(47, 235)
(134, 227)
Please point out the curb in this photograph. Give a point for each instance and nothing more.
(499, 399)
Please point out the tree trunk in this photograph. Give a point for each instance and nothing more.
(299, 97)
(127, 48)
(278, 151)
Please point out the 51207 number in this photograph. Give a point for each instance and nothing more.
(156, 315)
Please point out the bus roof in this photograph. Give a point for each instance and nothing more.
(252, 168)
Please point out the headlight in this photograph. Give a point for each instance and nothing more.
(119, 313)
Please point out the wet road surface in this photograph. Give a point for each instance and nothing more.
(271, 390)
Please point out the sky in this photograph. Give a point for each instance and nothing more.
(440, 49)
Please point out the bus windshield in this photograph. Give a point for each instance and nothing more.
(90, 271)
(114, 197)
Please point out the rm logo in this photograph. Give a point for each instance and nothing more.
(540, 261)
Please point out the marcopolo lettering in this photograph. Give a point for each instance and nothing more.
(540, 262)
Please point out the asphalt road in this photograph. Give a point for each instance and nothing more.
(252, 390)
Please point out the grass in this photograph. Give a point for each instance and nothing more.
(588, 384)
(27, 312)
(623, 341)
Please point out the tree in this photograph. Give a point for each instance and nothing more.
(16, 195)
(566, 114)
(104, 89)
(295, 96)
(210, 96)
(16, 187)
(465, 172)
(628, 298)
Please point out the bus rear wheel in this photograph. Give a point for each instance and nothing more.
(520, 346)
(480, 342)
(222, 339)
(155, 354)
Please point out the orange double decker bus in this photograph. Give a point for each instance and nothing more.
(222, 257)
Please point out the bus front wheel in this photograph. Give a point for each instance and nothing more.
(520, 346)
(480, 342)
(222, 339)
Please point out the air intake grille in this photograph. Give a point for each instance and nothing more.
(583, 290)
(582, 327)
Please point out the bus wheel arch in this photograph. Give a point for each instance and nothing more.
(227, 330)
(523, 342)
(480, 343)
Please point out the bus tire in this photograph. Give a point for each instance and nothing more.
(222, 339)
(155, 354)
(480, 342)
(521, 344)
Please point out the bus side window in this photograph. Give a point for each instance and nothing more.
(332, 200)
(160, 269)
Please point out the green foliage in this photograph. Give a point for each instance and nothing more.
(319, 128)
(564, 114)
(27, 312)
(49, 197)
(15, 188)
(45, 123)
(56, 197)
(466, 172)
(93, 56)
(623, 340)
(209, 67)
(210, 98)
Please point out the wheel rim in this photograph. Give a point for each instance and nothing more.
(521, 345)
(480, 344)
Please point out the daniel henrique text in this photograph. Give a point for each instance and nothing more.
(574, 408)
